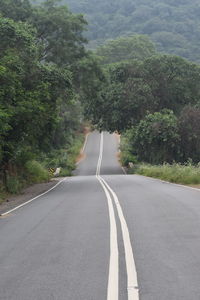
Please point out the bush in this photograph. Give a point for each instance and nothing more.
(126, 158)
(13, 184)
(36, 172)
(176, 173)
(65, 158)
(155, 139)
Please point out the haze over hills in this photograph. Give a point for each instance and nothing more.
(174, 25)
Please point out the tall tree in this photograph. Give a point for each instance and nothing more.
(60, 32)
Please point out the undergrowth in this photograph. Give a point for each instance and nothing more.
(30, 170)
(176, 173)
(65, 158)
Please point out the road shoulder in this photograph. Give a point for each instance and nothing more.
(27, 194)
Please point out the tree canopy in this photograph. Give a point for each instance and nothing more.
(174, 26)
(42, 62)
(126, 48)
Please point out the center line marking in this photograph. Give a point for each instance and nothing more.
(132, 282)
(113, 280)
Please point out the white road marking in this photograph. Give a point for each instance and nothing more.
(113, 281)
(29, 201)
(132, 283)
(113, 278)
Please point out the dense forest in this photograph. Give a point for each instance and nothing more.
(42, 62)
(153, 99)
(174, 25)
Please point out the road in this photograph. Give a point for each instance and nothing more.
(102, 234)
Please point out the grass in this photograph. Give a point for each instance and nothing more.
(3, 194)
(72, 155)
(184, 174)
(38, 171)
(65, 158)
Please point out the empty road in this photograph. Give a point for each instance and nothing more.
(103, 235)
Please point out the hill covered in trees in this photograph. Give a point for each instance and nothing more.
(174, 25)
(50, 82)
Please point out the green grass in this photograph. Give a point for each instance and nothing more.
(3, 194)
(72, 154)
(176, 173)
(36, 173)
(65, 158)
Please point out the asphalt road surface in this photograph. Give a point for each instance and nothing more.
(103, 235)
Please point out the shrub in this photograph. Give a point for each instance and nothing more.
(126, 158)
(176, 173)
(36, 172)
(13, 184)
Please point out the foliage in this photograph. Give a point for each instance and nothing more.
(64, 158)
(126, 155)
(90, 82)
(176, 173)
(155, 139)
(41, 84)
(173, 25)
(189, 130)
(136, 88)
(14, 184)
(126, 48)
(60, 32)
(36, 172)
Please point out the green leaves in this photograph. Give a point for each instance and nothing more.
(155, 139)
(174, 26)
(126, 48)
(60, 33)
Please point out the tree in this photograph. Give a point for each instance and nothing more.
(173, 80)
(17, 10)
(136, 88)
(90, 81)
(174, 26)
(60, 33)
(34, 97)
(189, 129)
(126, 48)
(155, 139)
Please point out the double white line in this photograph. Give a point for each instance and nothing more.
(113, 279)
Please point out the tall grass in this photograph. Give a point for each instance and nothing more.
(36, 173)
(31, 171)
(65, 158)
(176, 173)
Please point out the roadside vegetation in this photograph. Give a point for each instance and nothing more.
(173, 25)
(153, 101)
(50, 83)
(184, 174)
(42, 90)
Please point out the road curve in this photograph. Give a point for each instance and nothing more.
(103, 235)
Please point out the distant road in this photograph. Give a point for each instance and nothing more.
(103, 235)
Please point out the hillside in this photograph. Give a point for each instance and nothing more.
(174, 25)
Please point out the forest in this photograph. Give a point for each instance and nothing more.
(50, 84)
(42, 62)
(173, 25)
(153, 99)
